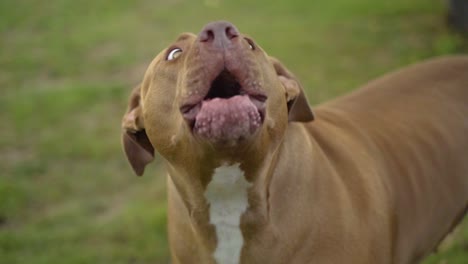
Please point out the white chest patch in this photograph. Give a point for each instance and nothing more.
(227, 195)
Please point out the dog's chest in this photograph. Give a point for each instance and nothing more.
(227, 196)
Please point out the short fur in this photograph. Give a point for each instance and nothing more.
(380, 175)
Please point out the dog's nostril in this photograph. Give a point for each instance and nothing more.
(207, 35)
(231, 32)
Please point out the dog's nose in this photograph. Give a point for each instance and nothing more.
(220, 34)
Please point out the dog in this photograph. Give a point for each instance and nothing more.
(256, 176)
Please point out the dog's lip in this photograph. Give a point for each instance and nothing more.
(190, 110)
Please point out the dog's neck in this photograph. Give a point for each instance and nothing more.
(223, 201)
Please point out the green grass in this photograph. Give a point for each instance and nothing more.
(67, 194)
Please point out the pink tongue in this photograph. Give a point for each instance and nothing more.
(226, 120)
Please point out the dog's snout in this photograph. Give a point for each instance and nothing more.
(220, 34)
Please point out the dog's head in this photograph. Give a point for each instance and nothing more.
(215, 95)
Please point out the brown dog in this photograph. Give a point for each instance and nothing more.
(380, 175)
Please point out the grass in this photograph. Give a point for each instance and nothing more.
(67, 194)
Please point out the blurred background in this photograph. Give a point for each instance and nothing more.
(67, 194)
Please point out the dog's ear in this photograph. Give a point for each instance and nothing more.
(298, 106)
(135, 142)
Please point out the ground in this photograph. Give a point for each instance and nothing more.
(67, 194)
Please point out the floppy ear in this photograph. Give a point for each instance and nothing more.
(135, 142)
(298, 106)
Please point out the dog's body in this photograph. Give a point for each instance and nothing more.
(411, 134)
(380, 175)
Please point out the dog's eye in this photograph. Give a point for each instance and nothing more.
(251, 43)
(174, 54)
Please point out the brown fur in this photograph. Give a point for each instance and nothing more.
(380, 175)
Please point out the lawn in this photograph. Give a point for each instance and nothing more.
(67, 194)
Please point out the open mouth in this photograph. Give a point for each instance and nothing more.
(229, 112)
(224, 86)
